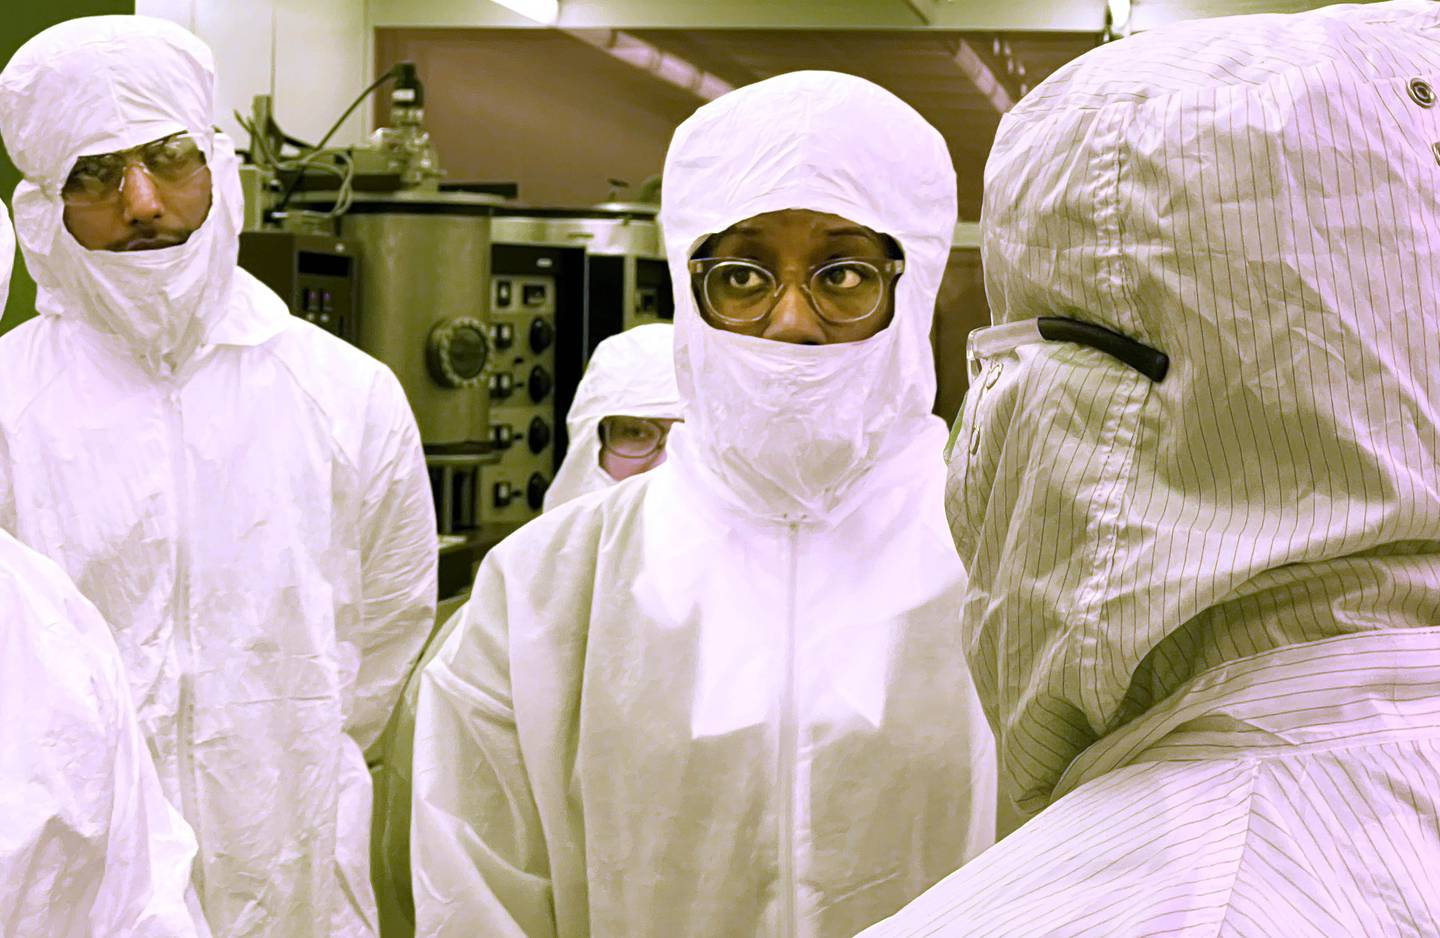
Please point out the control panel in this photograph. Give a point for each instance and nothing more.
(651, 299)
(522, 396)
(316, 275)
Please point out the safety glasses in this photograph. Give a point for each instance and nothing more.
(634, 437)
(99, 180)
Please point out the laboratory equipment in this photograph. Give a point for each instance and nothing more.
(537, 327)
(316, 276)
(406, 144)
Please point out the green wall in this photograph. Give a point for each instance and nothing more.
(20, 22)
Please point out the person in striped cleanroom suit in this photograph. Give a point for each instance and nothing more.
(1204, 607)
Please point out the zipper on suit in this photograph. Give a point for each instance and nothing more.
(180, 612)
(789, 749)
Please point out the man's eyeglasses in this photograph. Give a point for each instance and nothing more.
(97, 180)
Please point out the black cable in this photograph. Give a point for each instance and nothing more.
(389, 74)
(290, 190)
(1150, 362)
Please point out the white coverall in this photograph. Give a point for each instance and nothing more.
(242, 495)
(1204, 614)
(727, 697)
(88, 844)
(632, 373)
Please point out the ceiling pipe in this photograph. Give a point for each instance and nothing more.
(982, 77)
(666, 66)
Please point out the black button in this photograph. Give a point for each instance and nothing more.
(540, 384)
(502, 293)
(539, 435)
(542, 335)
(535, 491)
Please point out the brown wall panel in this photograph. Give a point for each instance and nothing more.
(539, 108)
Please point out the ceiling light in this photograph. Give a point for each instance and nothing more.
(546, 12)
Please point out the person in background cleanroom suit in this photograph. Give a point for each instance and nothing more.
(630, 375)
(242, 495)
(1205, 612)
(88, 844)
(727, 697)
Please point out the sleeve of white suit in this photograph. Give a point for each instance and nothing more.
(477, 853)
(146, 888)
(399, 553)
(7, 486)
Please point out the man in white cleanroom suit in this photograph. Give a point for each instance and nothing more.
(1205, 610)
(88, 844)
(727, 697)
(630, 375)
(243, 496)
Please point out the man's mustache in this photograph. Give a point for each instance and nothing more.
(149, 239)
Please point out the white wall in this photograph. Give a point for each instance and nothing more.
(312, 56)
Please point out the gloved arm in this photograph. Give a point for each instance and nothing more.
(399, 553)
(478, 857)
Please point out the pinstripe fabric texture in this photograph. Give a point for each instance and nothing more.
(1204, 614)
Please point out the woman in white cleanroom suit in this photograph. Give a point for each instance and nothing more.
(630, 376)
(728, 697)
(1205, 612)
(243, 496)
(88, 844)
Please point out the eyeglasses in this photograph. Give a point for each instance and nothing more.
(96, 180)
(634, 437)
(740, 292)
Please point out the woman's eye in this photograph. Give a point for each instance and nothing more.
(843, 278)
(743, 279)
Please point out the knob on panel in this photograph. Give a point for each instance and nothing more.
(539, 434)
(542, 335)
(456, 351)
(540, 383)
(535, 491)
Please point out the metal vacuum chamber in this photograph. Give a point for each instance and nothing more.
(425, 294)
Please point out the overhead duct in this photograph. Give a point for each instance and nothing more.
(669, 68)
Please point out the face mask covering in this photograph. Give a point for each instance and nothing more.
(150, 300)
(158, 304)
(792, 427)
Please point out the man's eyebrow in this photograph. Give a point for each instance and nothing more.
(850, 233)
(138, 146)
